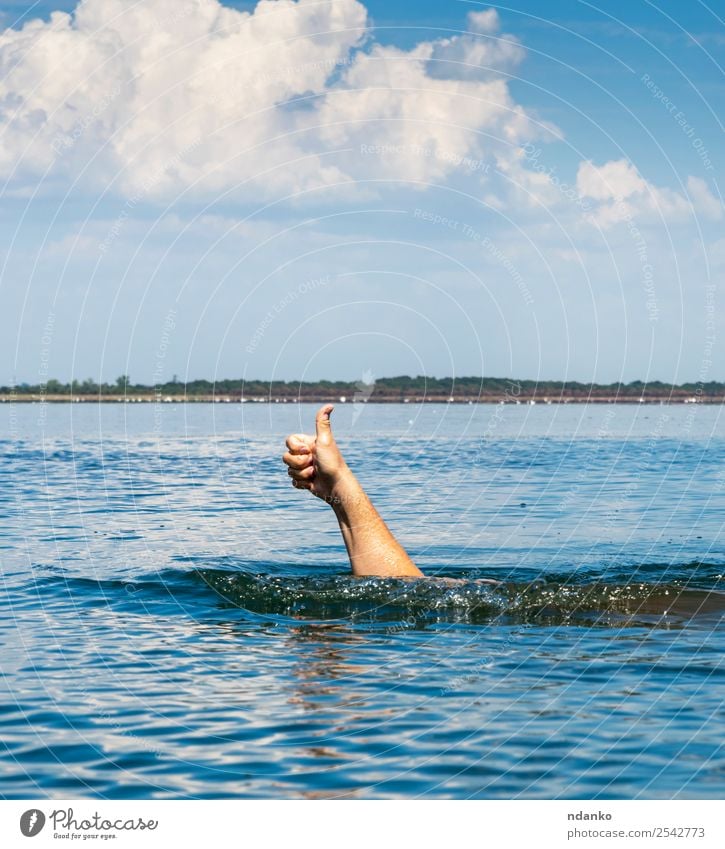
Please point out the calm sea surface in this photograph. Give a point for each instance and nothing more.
(177, 621)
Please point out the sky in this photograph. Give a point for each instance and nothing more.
(321, 189)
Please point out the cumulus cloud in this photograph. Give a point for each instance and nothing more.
(486, 20)
(162, 94)
(480, 53)
(154, 98)
(620, 193)
(703, 200)
(187, 95)
(408, 125)
(611, 181)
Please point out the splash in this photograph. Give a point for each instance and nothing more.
(482, 601)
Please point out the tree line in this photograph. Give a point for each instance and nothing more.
(382, 389)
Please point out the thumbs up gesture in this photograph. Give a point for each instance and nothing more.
(315, 462)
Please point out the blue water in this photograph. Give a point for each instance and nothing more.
(177, 621)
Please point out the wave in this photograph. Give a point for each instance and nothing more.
(651, 594)
(417, 601)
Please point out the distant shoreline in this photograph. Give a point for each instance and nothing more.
(234, 398)
(402, 389)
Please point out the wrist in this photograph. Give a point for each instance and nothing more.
(346, 491)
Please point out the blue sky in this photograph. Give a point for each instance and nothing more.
(320, 189)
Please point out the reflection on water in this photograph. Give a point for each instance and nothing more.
(177, 621)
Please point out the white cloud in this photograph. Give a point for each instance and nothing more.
(703, 200)
(620, 193)
(484, 21)
(399, 122)
(161, 97)
(164, 95)
(611, 181)
(479, 54)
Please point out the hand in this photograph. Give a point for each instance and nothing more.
(315, 462)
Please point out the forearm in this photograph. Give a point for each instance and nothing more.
(372, 548)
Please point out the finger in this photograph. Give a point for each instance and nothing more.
(298, 461)
(300, 443)
(322, 423)
(302, 474)
(301, 485)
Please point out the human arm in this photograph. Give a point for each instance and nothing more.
(316, 464)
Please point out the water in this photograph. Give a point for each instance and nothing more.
(177, 621)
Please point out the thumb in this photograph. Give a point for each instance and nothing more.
(322, 424)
